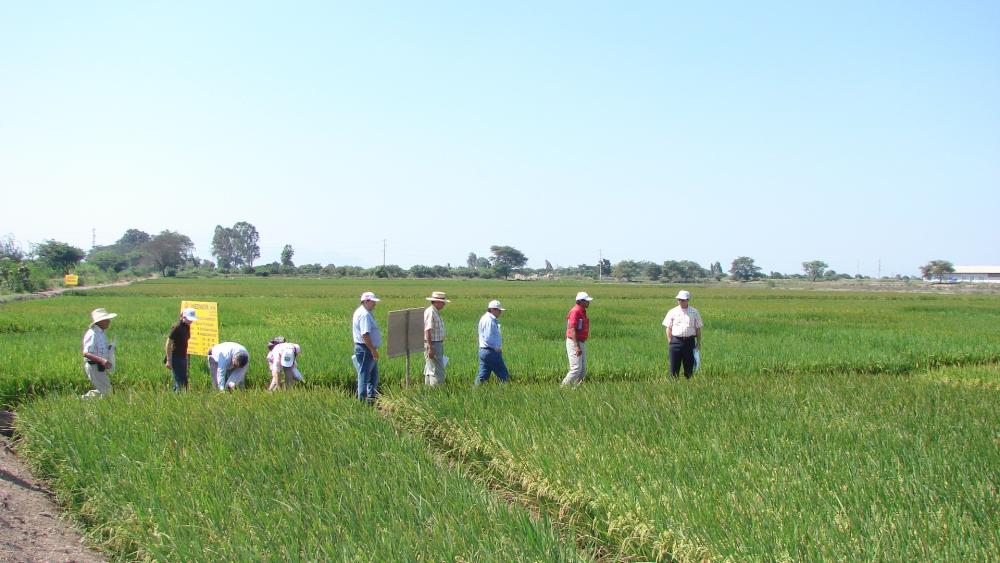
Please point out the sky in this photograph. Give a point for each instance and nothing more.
(863, 134)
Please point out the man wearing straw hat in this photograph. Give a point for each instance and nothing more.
(98, 353)
(434, 357)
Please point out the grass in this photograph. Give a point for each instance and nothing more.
(747, 331)
(758, 468)
(287, 476)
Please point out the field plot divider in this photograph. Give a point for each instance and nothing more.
(607, 536)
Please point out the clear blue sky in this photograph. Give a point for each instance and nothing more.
(858, 133)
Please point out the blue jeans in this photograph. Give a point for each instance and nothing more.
(491, 361)
(179, 366)
(367, 368)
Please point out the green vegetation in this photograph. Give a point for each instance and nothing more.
(747, 331)
(288, 476)
(823, 425)
(758, 468)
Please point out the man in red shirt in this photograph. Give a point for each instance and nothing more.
(577, 331)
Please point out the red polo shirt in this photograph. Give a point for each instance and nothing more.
(577, 319)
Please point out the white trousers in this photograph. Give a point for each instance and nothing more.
(99, 379)
(577, 364)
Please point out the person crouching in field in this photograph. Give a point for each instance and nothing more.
(227, 363)
(282, 357)
(176, 348)
(98, 353)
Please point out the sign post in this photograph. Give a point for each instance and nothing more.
(204, 332)
(406, 335)
(71, 279)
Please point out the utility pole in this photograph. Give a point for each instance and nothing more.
(384, 243)
(93, 238)
(600, 264)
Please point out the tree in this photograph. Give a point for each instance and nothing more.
(11, 249)
(715, 270)
(286, 256)
(653, 271)
(548, 266)
(603, 267)
(59, 256)
(107, 260)
(421, 271)
(507, 259)
(815, 269)
(223, 249)
(627, 270)
(245, 243)
(169, 249)
(133, 239)
(743, 269)
(472, 261)
(937, 268)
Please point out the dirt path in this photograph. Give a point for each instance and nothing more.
(59, 291)
(30, 526)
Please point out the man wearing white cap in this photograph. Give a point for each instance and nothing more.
(176, 348)
(491, 345)
(98, 353)
(367, 339)
(577, 332)
(434, 339)
(283, 357)
(683, 324)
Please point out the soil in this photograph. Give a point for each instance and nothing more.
(31, 528)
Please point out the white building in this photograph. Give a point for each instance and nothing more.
(979, 274)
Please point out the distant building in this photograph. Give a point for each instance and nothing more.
(978, 274)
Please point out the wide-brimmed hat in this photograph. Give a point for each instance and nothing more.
(100, 314)
(189, 314)
(369, 296)
(438, 296)
(275, 341)
(495, 304)
(583, 296)
(683, 294)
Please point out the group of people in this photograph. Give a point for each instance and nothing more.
(228, 361)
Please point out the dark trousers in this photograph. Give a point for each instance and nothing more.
(682, 352)
(179, 365)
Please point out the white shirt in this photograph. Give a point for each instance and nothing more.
(682, 322)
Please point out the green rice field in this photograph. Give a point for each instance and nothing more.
(822, 426)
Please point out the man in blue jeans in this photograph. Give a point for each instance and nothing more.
(367, 339)
(491, 345)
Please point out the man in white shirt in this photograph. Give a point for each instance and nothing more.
(367, 339)
(98, 353)
(683, 327)
(434, 339)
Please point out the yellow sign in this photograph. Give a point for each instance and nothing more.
(71, 279)
(205, 331)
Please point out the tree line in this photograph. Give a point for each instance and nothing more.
(236, 249)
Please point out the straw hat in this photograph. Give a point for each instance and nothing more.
(100, 314)
(438, 296)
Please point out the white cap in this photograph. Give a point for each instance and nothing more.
(495, 304)
(582, 296)
(189, 314)
(683, 294)
(369, 296)
(288, 357)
